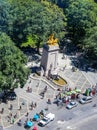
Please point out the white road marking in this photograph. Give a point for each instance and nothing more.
(61, 122)
(71, 128)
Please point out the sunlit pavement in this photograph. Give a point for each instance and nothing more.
(79, 79)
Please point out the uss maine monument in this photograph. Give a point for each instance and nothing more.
(49, 60)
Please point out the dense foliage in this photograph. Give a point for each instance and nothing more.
(4, 13)
(12, 61)
(90, 44)
(36, 20)
(81, 16)
(60, 3)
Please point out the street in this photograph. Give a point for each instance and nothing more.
(75, 118)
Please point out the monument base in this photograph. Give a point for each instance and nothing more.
(49, 61)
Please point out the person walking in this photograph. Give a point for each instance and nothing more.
(35, 104)
(20, 107)
(15, 116)
(13, 120)
(2, 111)
(45, 89)
(35, 128)
(27, 114)
(49, 101)
(11, 106)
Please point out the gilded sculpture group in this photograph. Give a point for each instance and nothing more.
(52, 41)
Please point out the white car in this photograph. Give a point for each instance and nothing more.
(46, 119)
(72, 104)
(85, 100)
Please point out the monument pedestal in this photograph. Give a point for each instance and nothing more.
(49, 60)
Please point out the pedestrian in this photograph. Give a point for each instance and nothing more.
(56, 97)
(15, 116)
(11, 106)
(2, 111)
(31, 119)
(31, 107)
(58, 89)
(26, 120)
(28, 89)
(27, 114)
(45, 88)
(37, 84)
(9, 118)
(23, 103)
(10, 114)
(34, 128)
(20, 107)
(46, 109)
(32, 104)
(49, 101)
(13, 120)
(20, 123)
(42, 112)
(35, 105)
(42, 95)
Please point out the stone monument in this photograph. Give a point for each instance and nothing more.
(49, 60)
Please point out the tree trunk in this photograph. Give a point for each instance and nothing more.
(37, 48)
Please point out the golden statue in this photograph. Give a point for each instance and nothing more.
(52, 41)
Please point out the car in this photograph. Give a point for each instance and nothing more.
(46, 119)
(72, 104)
(86, 99)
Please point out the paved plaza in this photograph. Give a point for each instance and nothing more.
(79, 79)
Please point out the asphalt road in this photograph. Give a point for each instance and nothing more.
(80, 117)
(90, 125)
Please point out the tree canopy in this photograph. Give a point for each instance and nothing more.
(81, 15)
(39, 19)
(60, 3)
(12, 61)
(4, 13)
(90, 44)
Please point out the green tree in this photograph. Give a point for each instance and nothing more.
(81, 15)
(30, 18)
(90, 44)
(4, 12)
(60, 3)
(12, 64)
(31, 41)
